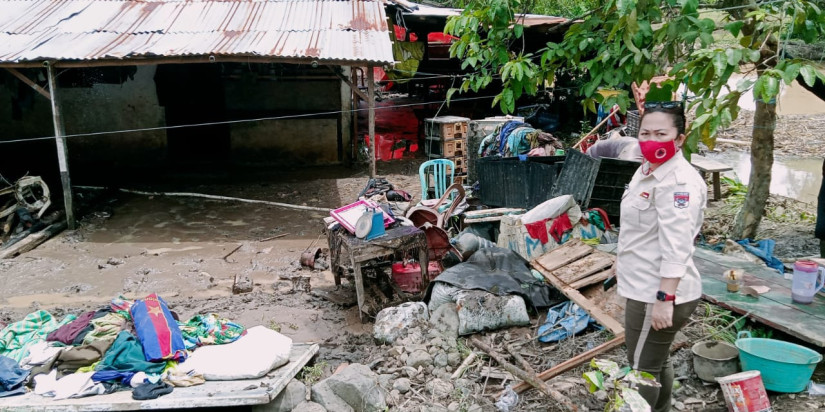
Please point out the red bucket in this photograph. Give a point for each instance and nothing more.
(744, 392)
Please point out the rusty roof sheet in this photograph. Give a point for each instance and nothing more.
(337, 30)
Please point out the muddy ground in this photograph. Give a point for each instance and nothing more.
(190, 250)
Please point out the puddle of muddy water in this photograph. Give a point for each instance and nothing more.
(796, 178)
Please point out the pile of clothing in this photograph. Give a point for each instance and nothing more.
(128, 345)
(515, 138)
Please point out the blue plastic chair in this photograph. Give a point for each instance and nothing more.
(438, 169)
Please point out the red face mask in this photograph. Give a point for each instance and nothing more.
(657, 152)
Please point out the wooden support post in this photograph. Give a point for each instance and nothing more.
(371, 102)
(29, 82)
(62, 149)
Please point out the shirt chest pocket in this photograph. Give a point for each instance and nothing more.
(642, 212)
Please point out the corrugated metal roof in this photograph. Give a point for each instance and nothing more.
(338, 30)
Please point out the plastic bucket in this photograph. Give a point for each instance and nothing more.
(744, 392)
(713, 360)
(785, 367)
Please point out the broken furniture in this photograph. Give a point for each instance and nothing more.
(573, 266)
(705, 166)
(438, 213)
(350, 253)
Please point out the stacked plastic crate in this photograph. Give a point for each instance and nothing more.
(446, 138)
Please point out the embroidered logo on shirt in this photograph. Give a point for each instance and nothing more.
(681, 200)
(645, 195)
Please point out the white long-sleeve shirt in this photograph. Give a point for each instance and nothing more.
(661, 214)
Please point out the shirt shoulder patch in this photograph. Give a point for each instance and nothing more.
(681, 200)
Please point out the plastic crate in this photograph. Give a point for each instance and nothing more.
(610, 184)
(510, 182)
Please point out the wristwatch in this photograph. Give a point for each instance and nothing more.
(664, 297)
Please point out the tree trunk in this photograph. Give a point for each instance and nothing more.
(759, 183)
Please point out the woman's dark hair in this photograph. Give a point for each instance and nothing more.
(676, 111)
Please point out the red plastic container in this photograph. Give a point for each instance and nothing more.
(408, 275)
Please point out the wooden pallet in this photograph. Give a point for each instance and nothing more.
(573, 266)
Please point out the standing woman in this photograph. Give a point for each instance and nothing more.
(661, 214)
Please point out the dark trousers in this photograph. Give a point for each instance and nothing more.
(648, 350)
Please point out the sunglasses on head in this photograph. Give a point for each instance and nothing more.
(663, 105)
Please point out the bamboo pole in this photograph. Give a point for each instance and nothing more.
(612, 112)
(371, 103)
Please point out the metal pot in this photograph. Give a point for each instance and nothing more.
(712, 360)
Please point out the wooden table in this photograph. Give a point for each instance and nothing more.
(257, 393)
(348, 252)
(705, 166)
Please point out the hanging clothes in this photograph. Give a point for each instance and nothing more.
(538, 230)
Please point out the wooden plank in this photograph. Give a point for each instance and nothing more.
(33, 240)
(712, 265)
(62, 149)
(492, 212)
(590, 264)
(29, 82)
(574, 295)
(765, 310)
(708, 165)
(591, 280)
(211, 394)
(569, 252)
(573, 362)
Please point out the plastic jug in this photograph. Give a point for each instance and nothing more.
(808, 278)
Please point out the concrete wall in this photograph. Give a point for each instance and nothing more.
(313, 140)
(134, 105)
(114, 107)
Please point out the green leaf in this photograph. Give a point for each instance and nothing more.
(790, 72)
(706, 38)
(595, 379)
(808, 74)
(720, 62)
(754, 55)
(735, 27)
(518, 29)
(450, 93)
(634, 400)
(771, 88)
(734, 56)
(607, 366)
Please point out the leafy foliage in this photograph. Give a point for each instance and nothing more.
(620, 383)
(626, 41)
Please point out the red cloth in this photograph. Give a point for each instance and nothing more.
(559, 226)
(538, 230)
